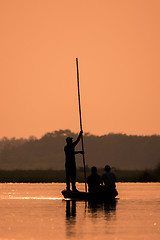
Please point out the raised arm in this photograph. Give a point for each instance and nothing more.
(78, 139)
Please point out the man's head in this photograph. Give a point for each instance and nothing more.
(93, 169)
(107, 168)
(69, 140)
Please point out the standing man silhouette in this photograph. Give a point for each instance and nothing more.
(70, 163)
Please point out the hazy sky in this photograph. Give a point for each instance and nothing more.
(118, 46)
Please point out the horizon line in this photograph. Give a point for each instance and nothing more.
(73, 132)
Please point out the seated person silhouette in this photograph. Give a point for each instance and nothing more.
(109, 178)
(70, 163)
(94, 180)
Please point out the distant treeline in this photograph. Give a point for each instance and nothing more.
(48, 176)
(118, 150)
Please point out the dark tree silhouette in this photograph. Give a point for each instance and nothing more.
(118, 150)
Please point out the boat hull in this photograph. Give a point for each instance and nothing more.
(99, 195)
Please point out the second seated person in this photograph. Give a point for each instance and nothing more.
(109, 178)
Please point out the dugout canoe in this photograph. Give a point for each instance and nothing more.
(99, 195)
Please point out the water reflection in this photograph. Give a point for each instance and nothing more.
(70, 218)
(70, 208)
(92, 207)
(108, 209)
(77, 218)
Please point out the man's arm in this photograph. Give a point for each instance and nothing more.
(78, 139)
(76, 152)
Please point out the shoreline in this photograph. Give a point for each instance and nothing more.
(58, 176)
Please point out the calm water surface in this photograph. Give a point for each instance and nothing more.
(38, 211)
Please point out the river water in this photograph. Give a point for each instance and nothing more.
(38, 211)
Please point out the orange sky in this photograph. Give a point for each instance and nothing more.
(118, 46)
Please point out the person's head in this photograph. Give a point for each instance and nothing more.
(94, 170)
(107, 168)
(69, 140)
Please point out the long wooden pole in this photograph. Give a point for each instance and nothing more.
(80, 117)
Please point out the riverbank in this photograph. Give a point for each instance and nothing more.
(48, 176)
